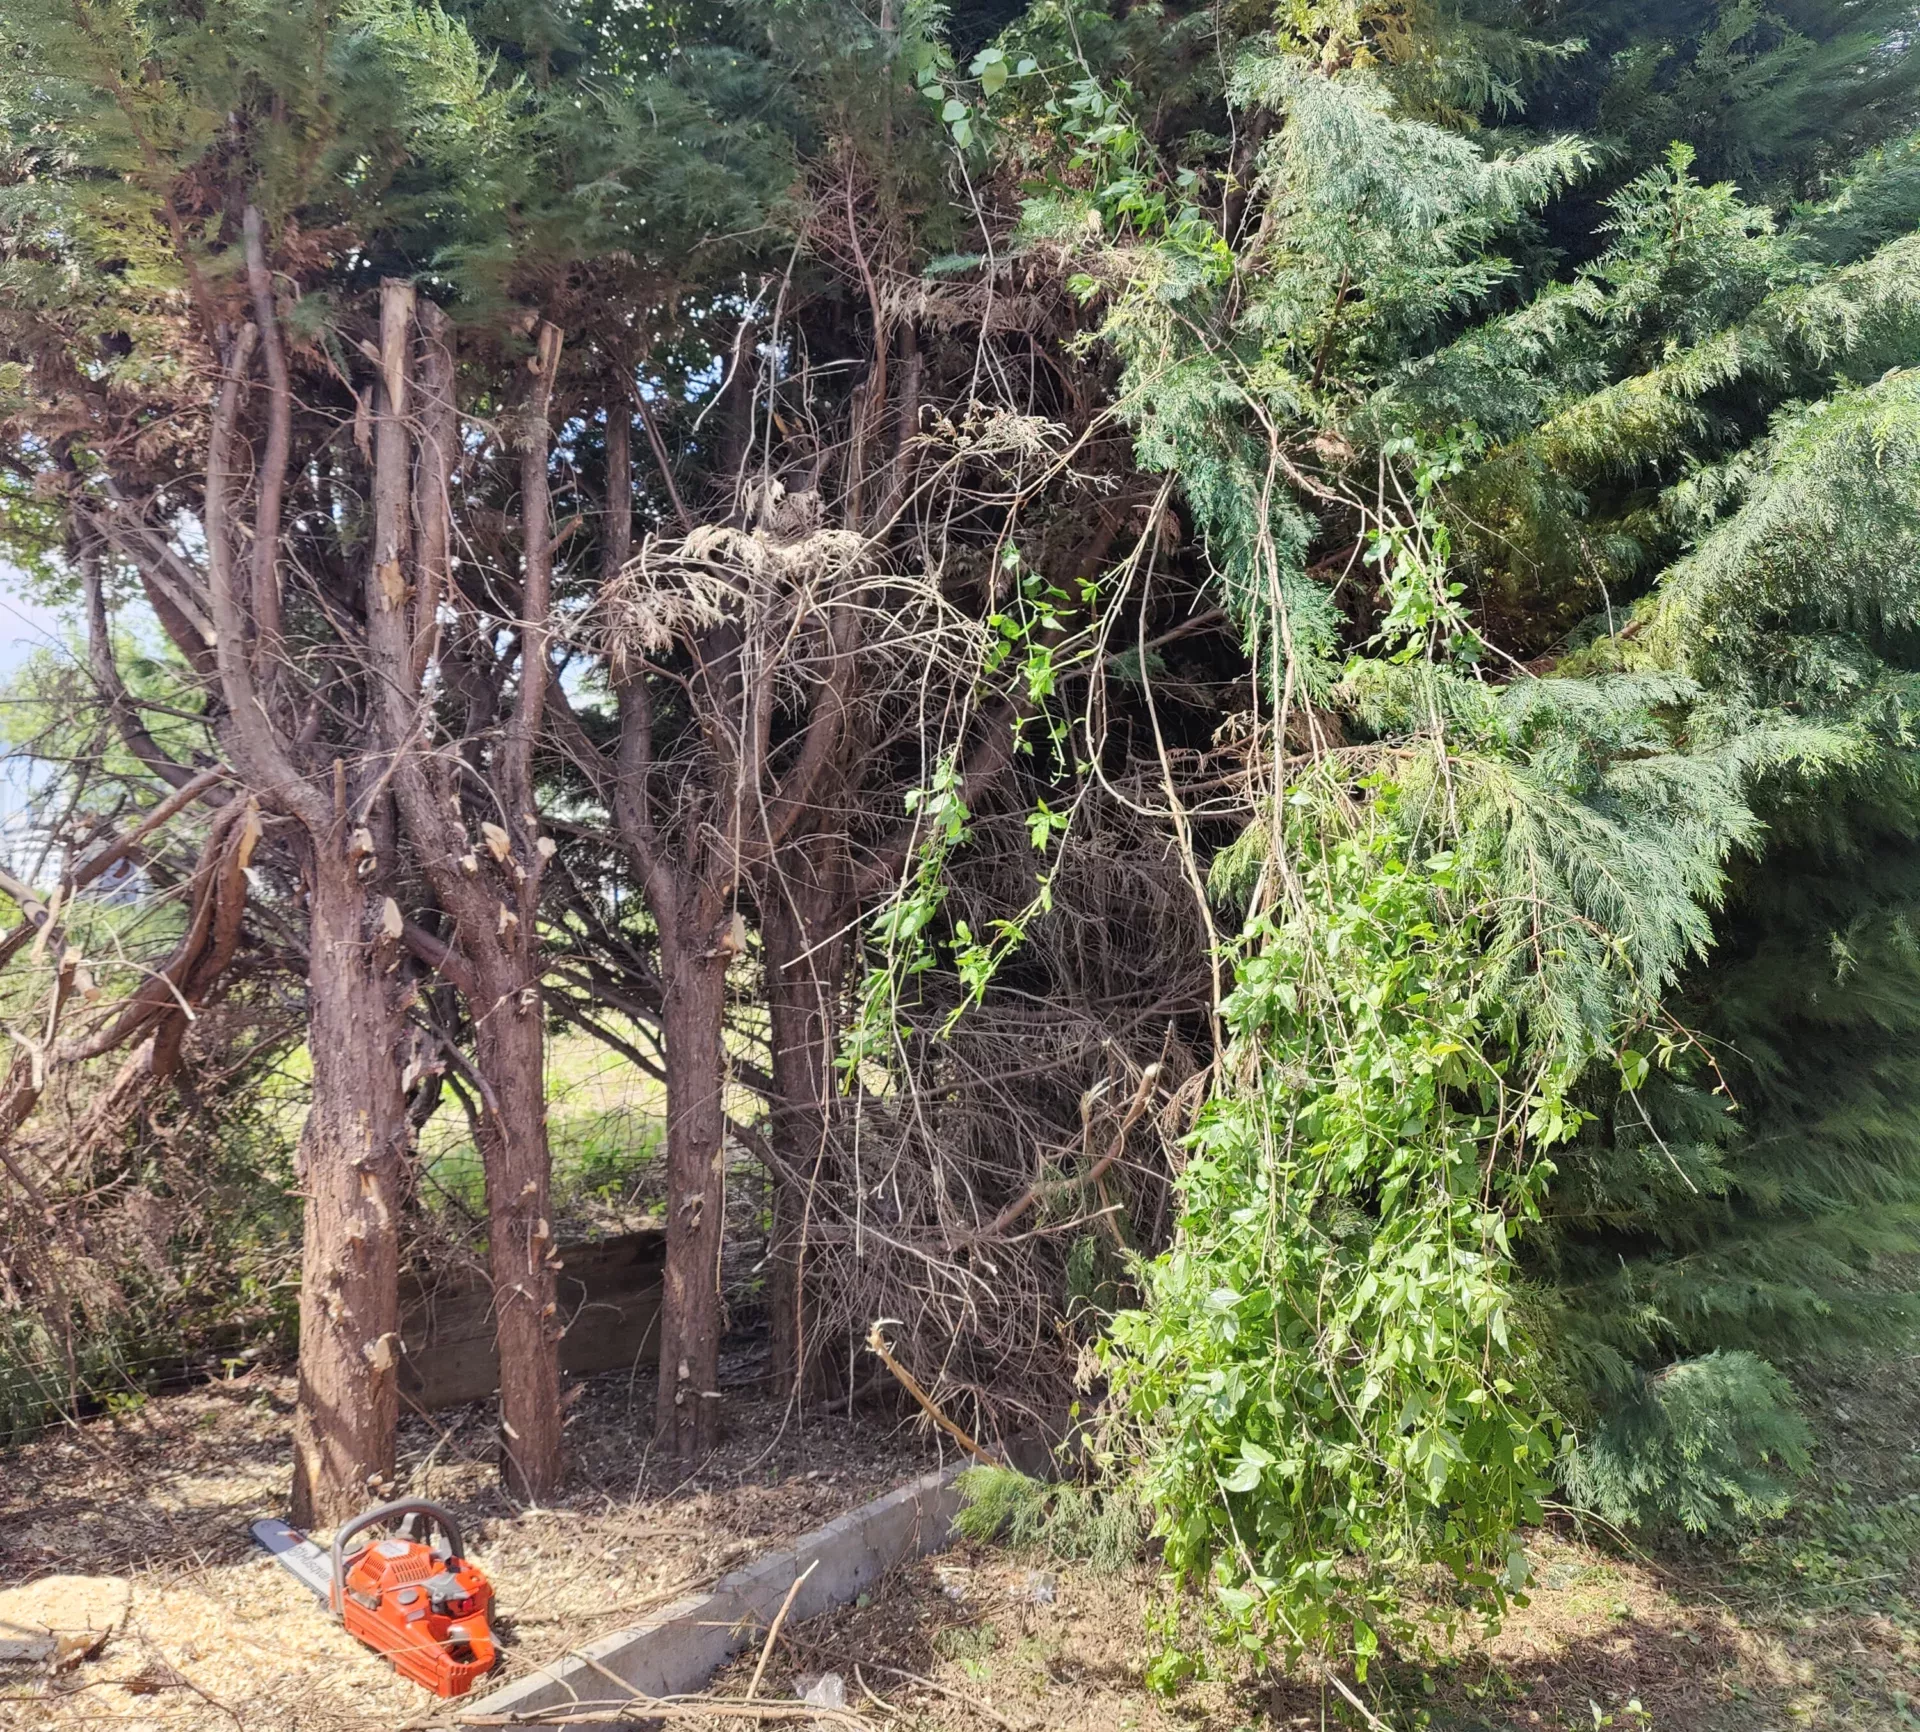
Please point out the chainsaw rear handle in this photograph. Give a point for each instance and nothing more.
(439, 1514)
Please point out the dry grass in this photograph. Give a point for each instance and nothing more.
(1609, 1635)
(219, 1637)
(1815, 1625)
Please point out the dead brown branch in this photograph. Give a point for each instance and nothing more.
(877, 1345)
(1035, 1192)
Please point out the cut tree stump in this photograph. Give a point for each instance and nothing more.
(60, 1616)
(609, 1297)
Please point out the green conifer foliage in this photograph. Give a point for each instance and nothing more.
(1686, 1250)
(1690, 1239)
(1416, 463)
(1769, 92)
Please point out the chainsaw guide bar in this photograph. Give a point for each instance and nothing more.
(296, 1554)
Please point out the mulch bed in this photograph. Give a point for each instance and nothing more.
(219, 1637)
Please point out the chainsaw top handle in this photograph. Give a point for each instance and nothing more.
(438, 1514)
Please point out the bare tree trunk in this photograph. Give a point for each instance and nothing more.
(349, 1159)
(508, 1026)
(695, 1003)
(349, 1171)
(510, 1047)
(616, 536)
(491, 892)
(693, 860)
(803, 965)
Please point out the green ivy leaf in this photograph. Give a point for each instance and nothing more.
(1252, 1463)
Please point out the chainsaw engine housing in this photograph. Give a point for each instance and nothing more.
(423, 1606)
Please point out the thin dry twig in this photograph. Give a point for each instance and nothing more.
(174, 1675)
(773, 1634)
(952, 1695)
(1354, 1702)
(1034, 1192)
(663, 1708)
(611, 1676)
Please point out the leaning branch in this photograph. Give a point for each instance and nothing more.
(127, 719)
(877, 1344)
(273, 468)
(257, 748)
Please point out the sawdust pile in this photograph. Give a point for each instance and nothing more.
(216, 1636)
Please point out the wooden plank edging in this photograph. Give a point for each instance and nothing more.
(677, 1649)
(609, 1297)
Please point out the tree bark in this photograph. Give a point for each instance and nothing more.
(695, 1003)
(616, 536)
(804, 959)
(693, 961)
(491, 892)
(510, 1049)
(350, 1148)
(349, 1173)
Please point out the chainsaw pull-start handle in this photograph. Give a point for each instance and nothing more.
(442, 1517)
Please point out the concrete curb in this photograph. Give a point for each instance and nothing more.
(681, 1646)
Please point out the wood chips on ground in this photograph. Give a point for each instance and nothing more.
(218, 1636)
(1815, 1624)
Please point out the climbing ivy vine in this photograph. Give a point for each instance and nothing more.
(1331, 1360)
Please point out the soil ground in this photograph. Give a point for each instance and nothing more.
(218, 1637)
(1813, 1623)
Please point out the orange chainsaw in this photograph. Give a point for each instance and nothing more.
(421, 1605)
